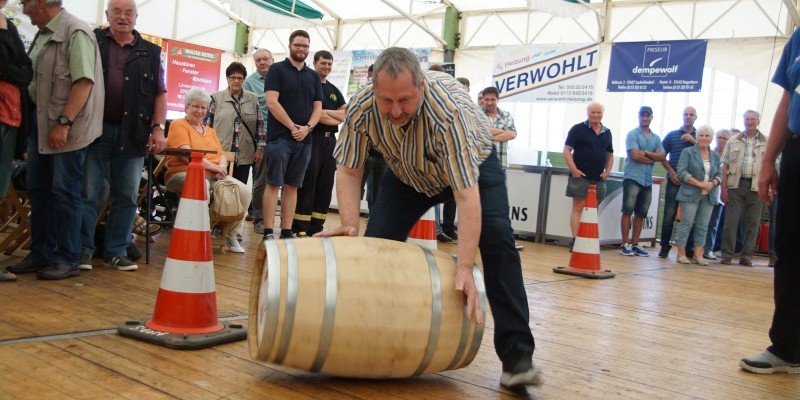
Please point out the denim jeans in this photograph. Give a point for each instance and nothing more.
(54, 188)
(694, 217)
(668, 219)
(711, 233)
(124, 173)
(399, 206)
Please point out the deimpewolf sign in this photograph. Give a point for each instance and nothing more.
(546, 73)
(666, 66)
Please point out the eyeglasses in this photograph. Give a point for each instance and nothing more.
(196, 107)
(127, 13)
(300, 46)
(235, 78)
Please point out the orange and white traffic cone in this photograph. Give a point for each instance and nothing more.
(585, 258)
(185, 315)
(424, 231)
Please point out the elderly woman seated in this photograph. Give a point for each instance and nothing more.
(190, 133)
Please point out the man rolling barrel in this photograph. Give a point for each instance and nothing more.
(438, 147)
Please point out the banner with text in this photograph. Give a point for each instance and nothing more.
(664, 66)
(189, 66)
(546, 73)
(362, 59)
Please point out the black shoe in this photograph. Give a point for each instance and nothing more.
(452, 234)
(248, 217)
(664, 252)
(28, 265)
(524, 372)
(57, 271)
(444, 238)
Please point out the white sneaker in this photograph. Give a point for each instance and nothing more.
(768, 363)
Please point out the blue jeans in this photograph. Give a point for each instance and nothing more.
(668, 219)
(54, 188)
(694, 217)
(399, 206)
(8, 143)
(713, 222)
(124, 173)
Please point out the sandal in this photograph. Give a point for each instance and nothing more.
(140, 226)
(6, 276)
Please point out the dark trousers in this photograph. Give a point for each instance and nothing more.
(449, 217)
(399, 206)
(241, 172)
(314, 198)
(785, 330)
(374, 169)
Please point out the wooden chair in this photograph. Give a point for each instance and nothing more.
(19, 222)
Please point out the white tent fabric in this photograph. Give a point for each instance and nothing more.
(745, 38)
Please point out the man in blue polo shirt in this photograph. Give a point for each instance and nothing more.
(644, 149)
(674, 143)
(294, 99)
(589, 154)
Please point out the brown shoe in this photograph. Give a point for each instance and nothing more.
(726, 261)
(772, 261)
(746, 262)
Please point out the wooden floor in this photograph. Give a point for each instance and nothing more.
(659, 330)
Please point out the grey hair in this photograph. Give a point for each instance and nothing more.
(752, 112)
(196, 94)
(706, 128)
(394, 61)
(723, 132)
(262, 49)
(53, 2)
(602, 107)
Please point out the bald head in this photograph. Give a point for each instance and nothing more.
(689, 116)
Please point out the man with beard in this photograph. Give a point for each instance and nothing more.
(314, 197)
(438, 146)
(294, 99)
(644, 149)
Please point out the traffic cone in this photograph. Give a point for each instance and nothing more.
(585, 258)
(185, 315)
(424, 231)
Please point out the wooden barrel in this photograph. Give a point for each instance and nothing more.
(360, 307)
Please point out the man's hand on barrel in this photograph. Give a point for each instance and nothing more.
(465, 283)
(341, 230)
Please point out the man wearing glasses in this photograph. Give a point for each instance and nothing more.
(294, 99)
(68, 91)
(133, 123)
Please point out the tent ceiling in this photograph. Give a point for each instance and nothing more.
(369, 24)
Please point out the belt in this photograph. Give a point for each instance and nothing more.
(325, 134)
(746, 179)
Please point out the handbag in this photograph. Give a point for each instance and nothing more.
(225, 204)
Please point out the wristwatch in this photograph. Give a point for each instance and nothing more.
(310, 127)
(62, 120)
(163, 128)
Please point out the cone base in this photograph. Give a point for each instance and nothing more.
(584, 274)
(230, 332)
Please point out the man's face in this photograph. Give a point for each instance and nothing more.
(689, 116)
(490, 102)
(397, 98)
(121, 15)
(751, 121)
(323, 67)
(480, 99)
(595, 114)
(35, 11)
(298, 49)
(645, 119)
(263, 61)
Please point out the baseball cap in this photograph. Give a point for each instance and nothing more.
(645, 109)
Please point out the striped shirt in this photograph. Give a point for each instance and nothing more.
(443, 145)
